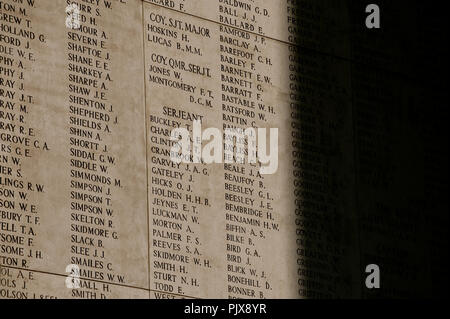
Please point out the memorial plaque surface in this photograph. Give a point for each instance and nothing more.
(219, 230)
(320, 25)
(73, 148)
(91, 193)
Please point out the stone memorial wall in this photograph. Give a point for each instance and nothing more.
(89, 193)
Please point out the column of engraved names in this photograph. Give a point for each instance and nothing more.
(245, 72)
(93, 185)
(178, 202)
(242, 95)
(19, 144)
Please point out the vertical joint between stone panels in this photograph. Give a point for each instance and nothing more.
(146, 146)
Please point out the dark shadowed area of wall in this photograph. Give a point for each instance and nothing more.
(372, 137)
